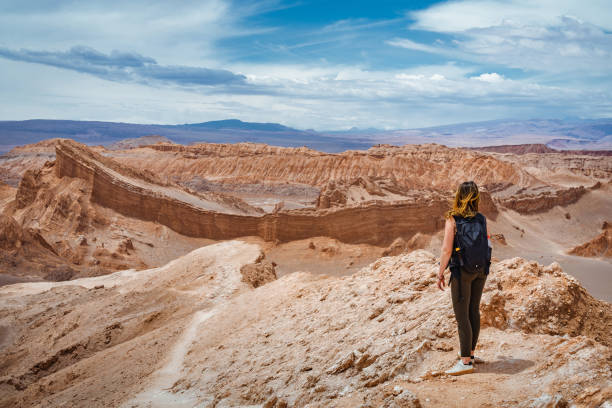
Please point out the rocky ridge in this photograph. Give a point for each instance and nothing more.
(600, 246)
(81, 202)
(192, 332)
(128, 193)
(135, 142)
(514, 181)
(26, 255)
(411, 166)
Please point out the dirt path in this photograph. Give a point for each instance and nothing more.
(160, 393)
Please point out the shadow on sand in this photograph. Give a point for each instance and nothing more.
(505, 365)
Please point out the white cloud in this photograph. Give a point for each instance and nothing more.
(546, 36)
(174, 33)
(491, 78)
(397, 99)
(311, 92)
(411, 45)
(462, 15)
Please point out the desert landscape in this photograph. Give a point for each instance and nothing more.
(247, 204)
(148, 273)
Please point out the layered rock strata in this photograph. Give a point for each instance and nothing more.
(534, 202)
(410, 166)
(375, 222)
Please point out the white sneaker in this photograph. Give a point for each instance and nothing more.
(460, 369)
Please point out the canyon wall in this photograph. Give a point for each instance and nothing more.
(535, 203)
(377, 222)
(427, 166)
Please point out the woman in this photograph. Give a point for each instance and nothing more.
(469, 264)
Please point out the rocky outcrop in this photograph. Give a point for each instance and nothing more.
(7, 194)
(136, 142)
(400, 246)
(28, 188)
(374, 222)
(530, 203)
(15, 163)
(410, 166)
(576, 166)
(259, 272)
(193, 333)
(524, 295)
(25, 253)
(339, 193)
(600, 246)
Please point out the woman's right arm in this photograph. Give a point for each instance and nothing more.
(447, 249)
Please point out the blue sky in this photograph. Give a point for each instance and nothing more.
(308, 64)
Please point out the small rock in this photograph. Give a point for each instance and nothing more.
(377, 312)
(401, 398)
(549, 401)
(342, 364)
(271, 402)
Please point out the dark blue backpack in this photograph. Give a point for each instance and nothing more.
(471, 251)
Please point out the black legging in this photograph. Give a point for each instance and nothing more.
(467, 308)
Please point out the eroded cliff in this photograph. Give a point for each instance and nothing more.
(375, 222)
(410, 166)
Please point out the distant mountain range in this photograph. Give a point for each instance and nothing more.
(593, 134)
(15, 133)
(578, 134)
(235, 124)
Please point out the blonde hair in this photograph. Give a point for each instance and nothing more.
(466, 200)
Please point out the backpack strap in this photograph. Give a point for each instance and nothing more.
(489, 249)
(456, 261)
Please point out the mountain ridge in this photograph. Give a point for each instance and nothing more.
(592, 134)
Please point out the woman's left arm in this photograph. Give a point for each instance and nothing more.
(447, 249)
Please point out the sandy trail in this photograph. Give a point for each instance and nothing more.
(159, 393)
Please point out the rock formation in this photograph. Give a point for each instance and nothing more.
(530, 203)
(218, 217)
(26, 255)
(400, 246)
(410, 166)
(7, 194)
(89, 201)
(600, 246)
(15, 163)
(135, 142)
(193, 333)
(570, 168)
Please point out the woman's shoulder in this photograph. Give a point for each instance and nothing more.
(450, 222)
